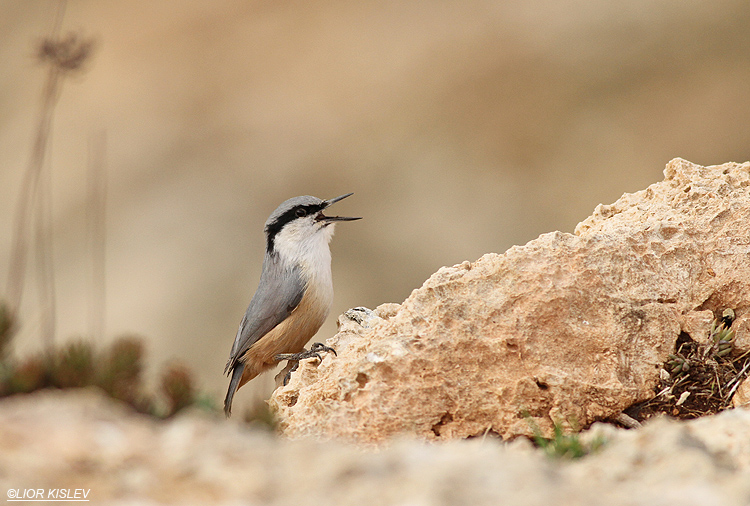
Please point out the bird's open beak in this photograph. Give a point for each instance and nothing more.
(322, 217)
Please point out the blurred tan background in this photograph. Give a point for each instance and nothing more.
(463, 127)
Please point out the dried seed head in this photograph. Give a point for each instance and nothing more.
(67, 53)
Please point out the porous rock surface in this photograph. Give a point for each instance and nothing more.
(81, 440)
(569, 328)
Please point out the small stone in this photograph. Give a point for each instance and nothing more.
(683, 398)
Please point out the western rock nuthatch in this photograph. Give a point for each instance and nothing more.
(294, 295)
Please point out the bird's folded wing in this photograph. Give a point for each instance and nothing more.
(279, 293)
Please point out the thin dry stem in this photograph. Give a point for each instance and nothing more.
(62, 55)
(30, 186)
(96, 220)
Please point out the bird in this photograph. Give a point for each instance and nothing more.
(294, 294)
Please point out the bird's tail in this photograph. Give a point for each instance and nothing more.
(234, 384)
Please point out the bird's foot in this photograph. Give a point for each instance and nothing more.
(315, 350)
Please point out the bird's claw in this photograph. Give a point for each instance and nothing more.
(316, 347)
(314, 351)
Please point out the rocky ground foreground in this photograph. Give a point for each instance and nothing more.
(427, 402)
(82, 440)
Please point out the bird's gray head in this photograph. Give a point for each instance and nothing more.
(299, 223)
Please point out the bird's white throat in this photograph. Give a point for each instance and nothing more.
(298, 244)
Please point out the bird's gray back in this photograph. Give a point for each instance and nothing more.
(279, 292)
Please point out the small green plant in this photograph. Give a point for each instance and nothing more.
(562, 445)
(30, 375)
(177, 386)
(207, 403)
(120, 371)
(677, 363)
(260, 415)
(117, 370)
(700, 377)
(6, 328)
(720, 340)
(74, 366)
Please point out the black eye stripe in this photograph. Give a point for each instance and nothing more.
(275, 227)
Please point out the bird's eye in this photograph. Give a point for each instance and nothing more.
(301, 213)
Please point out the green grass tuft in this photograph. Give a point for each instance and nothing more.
(562, 445)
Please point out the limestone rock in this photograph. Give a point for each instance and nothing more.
(741, 397)
(569, 328)
(741, 327)
(697, 324)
